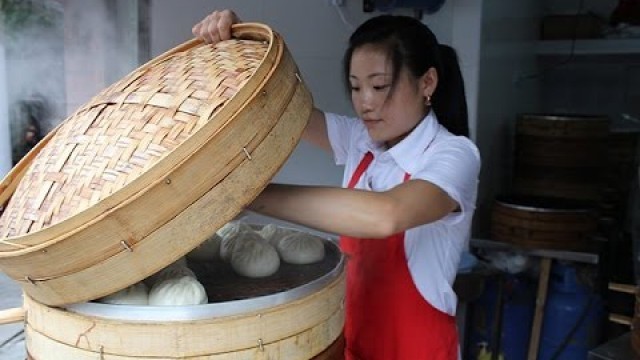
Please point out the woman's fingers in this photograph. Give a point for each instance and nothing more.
(216, 26)
(226, 19)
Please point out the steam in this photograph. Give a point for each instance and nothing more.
(72, 59)
(56, 63)
(35, 65)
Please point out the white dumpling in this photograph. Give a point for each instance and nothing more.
(255, 258)
(231, 242)
(273, 233)
(175, 270)
(136, 294)
(208, 250)
(181, 291)
(232, 228)
(300, 248)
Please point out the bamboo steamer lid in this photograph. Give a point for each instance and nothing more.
(151, 166)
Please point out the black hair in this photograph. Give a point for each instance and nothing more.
(410, 43)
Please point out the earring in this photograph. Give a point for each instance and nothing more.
(428, 100)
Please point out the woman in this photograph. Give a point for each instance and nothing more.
(410, 187)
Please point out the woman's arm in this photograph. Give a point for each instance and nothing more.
(316, 131)
(358, 213)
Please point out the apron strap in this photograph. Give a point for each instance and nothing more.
(362, 167)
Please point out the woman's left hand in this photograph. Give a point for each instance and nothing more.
(216, 26)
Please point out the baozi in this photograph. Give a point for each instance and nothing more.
(273, 233)
(208, 250)
(300, 248)
(175, 270)
(136, 294)
(255, 258)
(230, 243)
(185, 290)
(232, 228)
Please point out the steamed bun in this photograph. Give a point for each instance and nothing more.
(300, 248)
(273, 233)
(185, 290)
(231, 242)
(136, 294)
(232, 228)
(174, 270)
(255, 258)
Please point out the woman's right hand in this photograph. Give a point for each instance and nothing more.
(216, 26)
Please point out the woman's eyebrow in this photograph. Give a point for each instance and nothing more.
(370, 76)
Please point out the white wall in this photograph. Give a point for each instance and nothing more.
(5, 133)
(466, 38)
(316, 37)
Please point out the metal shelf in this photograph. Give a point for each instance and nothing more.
(590, 47)
(583, 257)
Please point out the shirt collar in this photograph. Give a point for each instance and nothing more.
(411, 147)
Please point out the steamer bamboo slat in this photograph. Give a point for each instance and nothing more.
(300, 329)
(152, 166)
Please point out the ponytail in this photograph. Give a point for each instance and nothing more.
(448, 101)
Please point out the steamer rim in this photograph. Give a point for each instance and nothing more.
(206, 311)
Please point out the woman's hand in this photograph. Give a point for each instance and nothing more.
(216, 27)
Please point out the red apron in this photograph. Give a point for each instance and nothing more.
(386, 317)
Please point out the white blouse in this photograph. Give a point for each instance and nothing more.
(429, 153)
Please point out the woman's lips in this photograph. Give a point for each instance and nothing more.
(371, 122)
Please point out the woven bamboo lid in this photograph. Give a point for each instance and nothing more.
(151, 166)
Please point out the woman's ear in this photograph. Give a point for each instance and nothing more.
(429, 82)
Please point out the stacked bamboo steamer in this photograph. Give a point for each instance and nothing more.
(546, 223)
(560, 156)
(557, 182)
(143, 173)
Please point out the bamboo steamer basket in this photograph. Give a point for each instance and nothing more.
(151, 167)
(560, 156)
(300, 323)
(544, 223)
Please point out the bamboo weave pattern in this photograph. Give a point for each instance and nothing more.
(125, 130)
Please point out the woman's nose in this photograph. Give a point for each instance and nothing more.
(367, 101)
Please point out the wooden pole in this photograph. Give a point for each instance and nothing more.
(541, 300)
(11, 316)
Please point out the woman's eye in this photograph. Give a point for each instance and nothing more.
(380, 87)
(355, 88)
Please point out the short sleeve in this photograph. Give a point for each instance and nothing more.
(454, 166)
(339, 131)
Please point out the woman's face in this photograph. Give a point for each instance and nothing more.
(389, 117)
